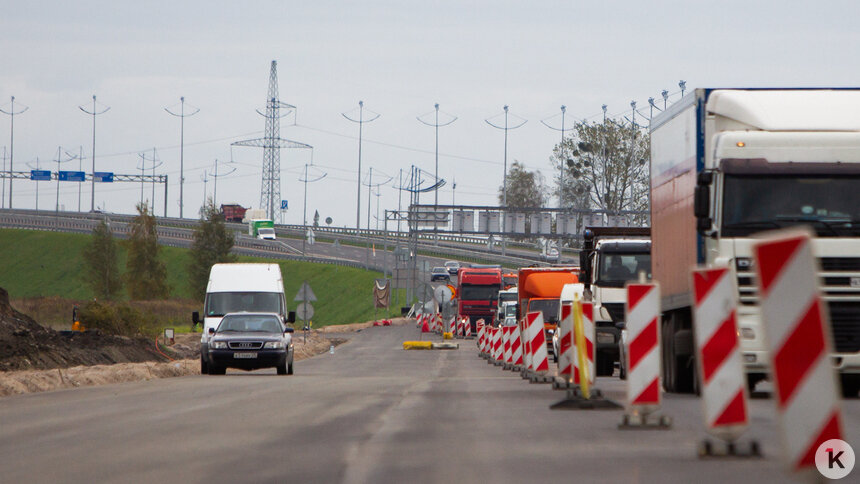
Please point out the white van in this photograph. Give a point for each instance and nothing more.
(232, 288)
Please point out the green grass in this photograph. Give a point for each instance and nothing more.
(36, 264)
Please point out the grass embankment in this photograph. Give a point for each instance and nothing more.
(43, 272)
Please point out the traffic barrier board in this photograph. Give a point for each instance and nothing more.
(643, 346)
(720, 365)
(537, 341)
(797, 338)
(565, 342)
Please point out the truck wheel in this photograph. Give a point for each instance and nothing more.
(204, 366)
(668, 374)
(282, 368)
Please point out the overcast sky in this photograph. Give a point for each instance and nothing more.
(399, 57)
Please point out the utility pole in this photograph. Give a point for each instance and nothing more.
(205, 179)
(95, 112)
(36, 167)
(305, 179)
(370, 184)
(181, 115)
(436, 125)
(506, 128)
(142, 168)
(60, 160)
(3, 196)
(561, 154)
(360, 122)
(11, 112)
(216, 175)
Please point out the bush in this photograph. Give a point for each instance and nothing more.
(119, 319)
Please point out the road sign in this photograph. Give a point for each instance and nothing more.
(284, 205)
(310, 236)
(425, 292)
(40, 175)
(443, 294)
(103, 176)
(305, 293)
(72, 176)
(305, 311)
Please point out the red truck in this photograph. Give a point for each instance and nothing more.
(478, 294)
(233, 213)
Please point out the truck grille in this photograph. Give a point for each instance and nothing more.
(245, 345)
(839, 281)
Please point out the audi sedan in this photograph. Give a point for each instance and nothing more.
(250, 341)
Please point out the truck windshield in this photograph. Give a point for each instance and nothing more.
(479, 293)
(752, 203)
(549, 308)
(510, 310)
(221, 303)
(507, 296)
(616, 269)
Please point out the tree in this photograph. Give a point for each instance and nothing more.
(146, 274)
(606, 167)
(212, 244)
(100, 263)
(525, 188)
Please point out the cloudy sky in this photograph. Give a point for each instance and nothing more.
(399, 57)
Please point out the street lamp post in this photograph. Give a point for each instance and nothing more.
(95, 112)
(182, 117)
(11, 112)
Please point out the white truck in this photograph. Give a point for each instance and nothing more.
(729, 163)
(249, 287)
(611, 257)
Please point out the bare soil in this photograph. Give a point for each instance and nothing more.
(34, 358)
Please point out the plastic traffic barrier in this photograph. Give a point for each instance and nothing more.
(565, 343)
(498, 345)
(797, 337)
(643, 356)
(506, 337)
(537, 343)
(467, 328)
(417, 345)
(584, 347)
(516, 348)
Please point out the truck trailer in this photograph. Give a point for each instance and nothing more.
(727, 164)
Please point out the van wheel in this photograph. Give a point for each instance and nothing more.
(204, 366)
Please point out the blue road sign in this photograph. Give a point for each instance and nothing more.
(40, 175)
(72, 176)
(283, 204)
(103, 176)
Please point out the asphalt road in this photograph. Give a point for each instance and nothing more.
(369, 413)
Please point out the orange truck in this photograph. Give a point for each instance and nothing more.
(539, 289)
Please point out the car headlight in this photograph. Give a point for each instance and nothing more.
(605, 338)
(218, 345)
(274, 345)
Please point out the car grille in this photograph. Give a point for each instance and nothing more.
(245, 345)
(842, 297)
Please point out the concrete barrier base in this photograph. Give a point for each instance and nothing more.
(636, 421)
(575, 400)
(720, 449)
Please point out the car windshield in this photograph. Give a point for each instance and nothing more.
(439, 270)
(250, 323)
(830, 205)
(221, 303)
(549, 308)
(266, 231)
(451, 264)
(616, 269)
(510, 310)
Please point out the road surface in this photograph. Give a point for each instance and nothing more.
(371, 412)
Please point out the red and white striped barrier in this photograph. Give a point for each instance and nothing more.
(498, 348)
(588, 332)
(537, 342)
(516, 347)
(643, 346)
(439, 327)
(797, 337)
(467, 328)
(479, 327)
(523, 326)
(565, 342)
(506, 335)
(721, 373)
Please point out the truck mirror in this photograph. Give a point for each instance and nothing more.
(211, 330)
(195, 318)
(291, 317)
(703, 224)
(701, 202)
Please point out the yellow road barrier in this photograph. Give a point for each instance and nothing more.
(581, 358)
(417, 345)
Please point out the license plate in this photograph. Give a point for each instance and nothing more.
(245, 355)
(855, 282)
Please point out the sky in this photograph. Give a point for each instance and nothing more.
(399, 57)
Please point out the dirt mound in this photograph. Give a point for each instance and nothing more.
(26, 345)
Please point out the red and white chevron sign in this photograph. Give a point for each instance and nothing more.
(479, 327)
(724, 397)
(506, 337)
(498, 347)
(523, 325)
(537, 341)
(643, 345)
(516, 346)
(588, 332)
(797, 337)
(565, 342)
(467, 328)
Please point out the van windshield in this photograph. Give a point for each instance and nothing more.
(221, 303)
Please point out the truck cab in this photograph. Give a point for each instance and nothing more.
(539, 289)
(610, 258)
